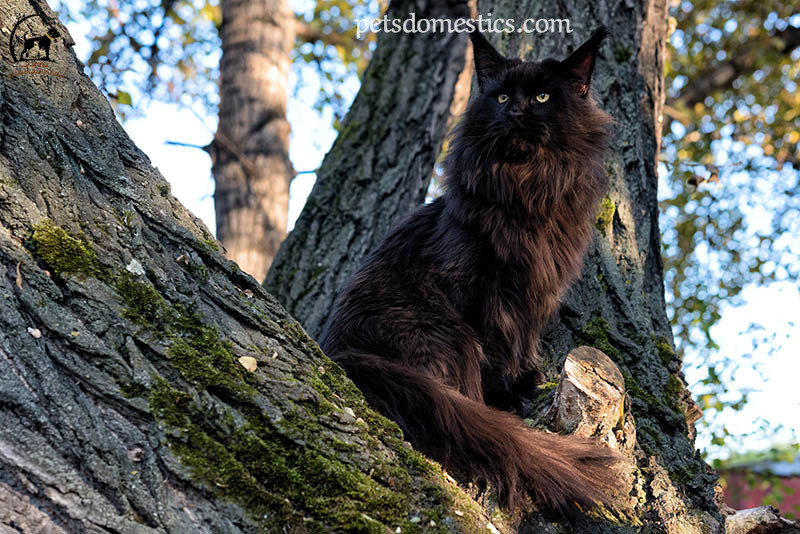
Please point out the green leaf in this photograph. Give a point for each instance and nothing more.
(124, 98)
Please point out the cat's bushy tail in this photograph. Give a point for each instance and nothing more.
(465, 435)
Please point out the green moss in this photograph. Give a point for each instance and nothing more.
(622, 53)
(257, 462)
(65, 253)
(335, 387)
(665, 352)
(197, 351)
(205, 360)
(674, 386)
(132, 389)
(541, 394)
(605, 215)
(256, 465)
(349, 128)
(196, 270)
(595, 334)
(684, 473)
(163, 190)
(143, 304)
(602, 281)
(211, 243)
(633, 389)
(127, 218)
(672, 393)
(278, 470)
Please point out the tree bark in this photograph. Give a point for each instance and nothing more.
(250, 151)
(380, 165)
(125, 404)
(618, 306)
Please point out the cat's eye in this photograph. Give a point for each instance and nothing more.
(502, 99)
(542, 97)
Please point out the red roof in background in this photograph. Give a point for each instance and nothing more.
(745, 488)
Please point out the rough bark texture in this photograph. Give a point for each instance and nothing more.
(762, 520)
(379, 167)
(618, 305)
(250, 151)
(123, 403)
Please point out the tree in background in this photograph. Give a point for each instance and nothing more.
(173, 45)
(250, 151)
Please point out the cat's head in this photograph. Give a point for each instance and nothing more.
(525, 106)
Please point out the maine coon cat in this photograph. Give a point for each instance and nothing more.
(446, 313)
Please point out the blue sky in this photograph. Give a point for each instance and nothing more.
(771, 369)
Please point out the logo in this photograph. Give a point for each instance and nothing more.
(32, 45)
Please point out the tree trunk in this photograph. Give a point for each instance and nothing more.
(128, 399)
(380, 165)
(618, 306)
(250, 152)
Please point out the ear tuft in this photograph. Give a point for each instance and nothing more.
(580, 64)
(488, 61)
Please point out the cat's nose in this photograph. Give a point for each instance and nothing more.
(515, 112)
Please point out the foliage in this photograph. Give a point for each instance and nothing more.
(169, 50)
(161, 49)
(730, 156)
(327, 43)
(778, 453)
(63, 252)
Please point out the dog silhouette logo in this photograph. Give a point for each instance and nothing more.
(32, 39)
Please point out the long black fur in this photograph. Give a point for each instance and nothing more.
(448, 310)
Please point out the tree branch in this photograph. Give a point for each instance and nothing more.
(741, 62)
(309, 34)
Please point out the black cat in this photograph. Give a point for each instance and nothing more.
(447, 312)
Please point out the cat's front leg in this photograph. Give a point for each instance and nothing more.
(512, 394)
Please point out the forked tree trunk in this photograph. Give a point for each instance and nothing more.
(250, 151)
(380, 165)
(124, 405)
(618, 306)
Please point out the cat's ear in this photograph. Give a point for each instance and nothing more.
(488, 61)
(579, 65)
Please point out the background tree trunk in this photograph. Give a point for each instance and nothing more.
(250, 151)
(124, 406)
(380, 165)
